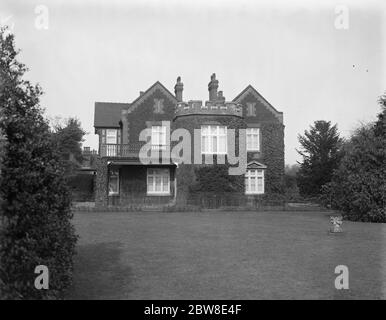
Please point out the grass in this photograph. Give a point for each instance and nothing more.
(225, 255)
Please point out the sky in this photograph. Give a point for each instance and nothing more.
(312, 60)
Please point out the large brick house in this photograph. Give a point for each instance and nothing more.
(123, 178)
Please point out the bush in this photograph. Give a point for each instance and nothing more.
(358, 186)
(215, 179)
(36, 228)
(81, 186)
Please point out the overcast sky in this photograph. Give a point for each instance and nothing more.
(299, 56)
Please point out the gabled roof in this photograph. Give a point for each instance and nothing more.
(253, 91)
(108, 114)
(157, 85)
(256, 165)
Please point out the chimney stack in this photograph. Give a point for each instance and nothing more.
(220, 97)
(178, 88)
(212, 87)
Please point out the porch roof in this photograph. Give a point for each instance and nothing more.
(135, 162)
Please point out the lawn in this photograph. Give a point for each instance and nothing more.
(225, 255)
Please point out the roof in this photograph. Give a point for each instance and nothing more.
(256, 165)
(108, 114)
(148, 92)
(252, 90)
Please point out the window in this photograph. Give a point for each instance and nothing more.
(251, 110)
(113, 182)
(111, 138)
(213, 140)
(158, 137)
(158, 181)
(254, 181)
(158, 105)
(253, 139)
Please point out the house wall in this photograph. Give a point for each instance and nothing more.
(271, 143)
(101, 197)
(146, 114)
(188, 180)
(132, 186)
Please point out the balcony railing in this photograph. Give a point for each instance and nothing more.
(126, 150)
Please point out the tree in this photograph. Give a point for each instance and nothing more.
(358, 186)
(320, 151)
(36, 227)
(68, 137)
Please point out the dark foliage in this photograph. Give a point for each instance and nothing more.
(320, 148)
(81, 186)
(36, 228)
(358, 186)
(215, 178)
(68, 137)
(290, 182)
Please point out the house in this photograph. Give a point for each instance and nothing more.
(148, 125)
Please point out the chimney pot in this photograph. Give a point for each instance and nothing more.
(178, 89)
(220, 97)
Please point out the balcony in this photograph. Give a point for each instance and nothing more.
(130, 150)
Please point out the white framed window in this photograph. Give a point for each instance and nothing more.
(213, 139)
(253, 139)
(113, 182)
(111, 136)
(158, 181)
(158, 137)
(254, 181)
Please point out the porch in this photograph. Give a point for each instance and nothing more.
(135, 184)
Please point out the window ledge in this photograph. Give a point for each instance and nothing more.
(155, 194)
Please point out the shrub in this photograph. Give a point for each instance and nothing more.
(358, 186)
(36, 228)
(215, 179)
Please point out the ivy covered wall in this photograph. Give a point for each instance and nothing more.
(201, 178)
